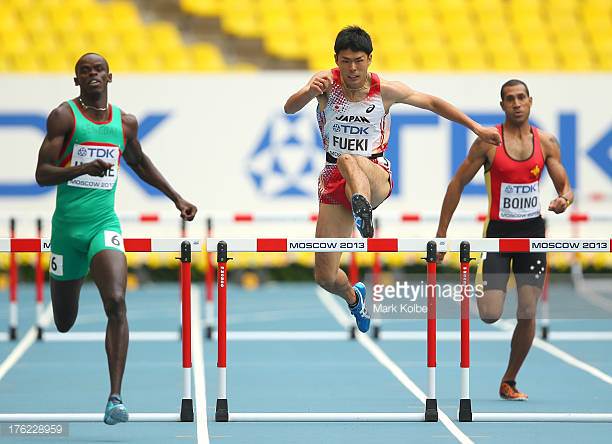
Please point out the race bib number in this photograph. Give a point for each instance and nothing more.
(56, 264)
(519, 201)
(114, 240)
(88, 153)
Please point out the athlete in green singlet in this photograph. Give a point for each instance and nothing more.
(86, 137)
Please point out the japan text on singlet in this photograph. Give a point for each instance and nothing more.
(359, 128)
(90, 197)
(513, 185)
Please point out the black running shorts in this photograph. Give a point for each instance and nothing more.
(528, 268)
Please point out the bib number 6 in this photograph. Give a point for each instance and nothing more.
(56, 264)
(114, 240)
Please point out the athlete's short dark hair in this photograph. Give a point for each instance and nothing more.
(353, 38)
(513, 82)
(76, 65)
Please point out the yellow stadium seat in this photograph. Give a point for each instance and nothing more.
(471, 61)
(321, 61)
(15, 43)
(242, 24)
(273, 22)
(147, 62)
(489, 8)
(381, 11)
(123, 11)
(541, 61)
(205, 8)
(415, 8)
(207, 57)
(453, 7)
(164, 35)
(507, 61)
(434, 59)
(26, 63)
(4, 65)
(54, 62)
(176, 60)
(399, 63)
(287, 46)
(576, 60)
(421, 26)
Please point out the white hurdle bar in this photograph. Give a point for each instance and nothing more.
(415, 245)
(465, 413)
(184, 246)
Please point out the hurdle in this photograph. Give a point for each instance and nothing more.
(517, 245)
(465, 413)
(574, 218)
(222, 412)
(39, 273)
(181, 245)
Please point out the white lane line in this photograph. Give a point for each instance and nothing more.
(329, 301)
(280, 335)
(197, 355)
(135, 336)
(558, 353)
(391, 335)
(25, 343)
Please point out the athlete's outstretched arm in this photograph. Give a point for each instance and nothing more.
(552, 154)
(475, 159)
(397, 92)
(147, 171)
(59, 126)
(316, 86)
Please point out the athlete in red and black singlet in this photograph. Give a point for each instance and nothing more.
(514, 212)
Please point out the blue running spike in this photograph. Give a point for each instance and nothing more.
(362, 317)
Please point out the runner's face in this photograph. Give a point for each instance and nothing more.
(92, 74)
(353, 67)
(516, 103)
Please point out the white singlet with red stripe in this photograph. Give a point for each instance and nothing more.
(358, 128)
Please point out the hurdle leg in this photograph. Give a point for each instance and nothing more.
(13, 277)
(431, 404)
(465, 403)
(209, 306)
(186, 414)
(40, 282)
(221, 409)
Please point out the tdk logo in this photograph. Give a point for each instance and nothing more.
(101, 153)
(288, 157)
(349, 129)
(82, 152)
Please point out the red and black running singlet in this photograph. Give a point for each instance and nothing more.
(513, 185)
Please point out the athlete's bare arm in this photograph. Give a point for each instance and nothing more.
(397, 92)
(317, 86)
(59, 127)
(552, 157)
(476, 158)
(147, 171)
